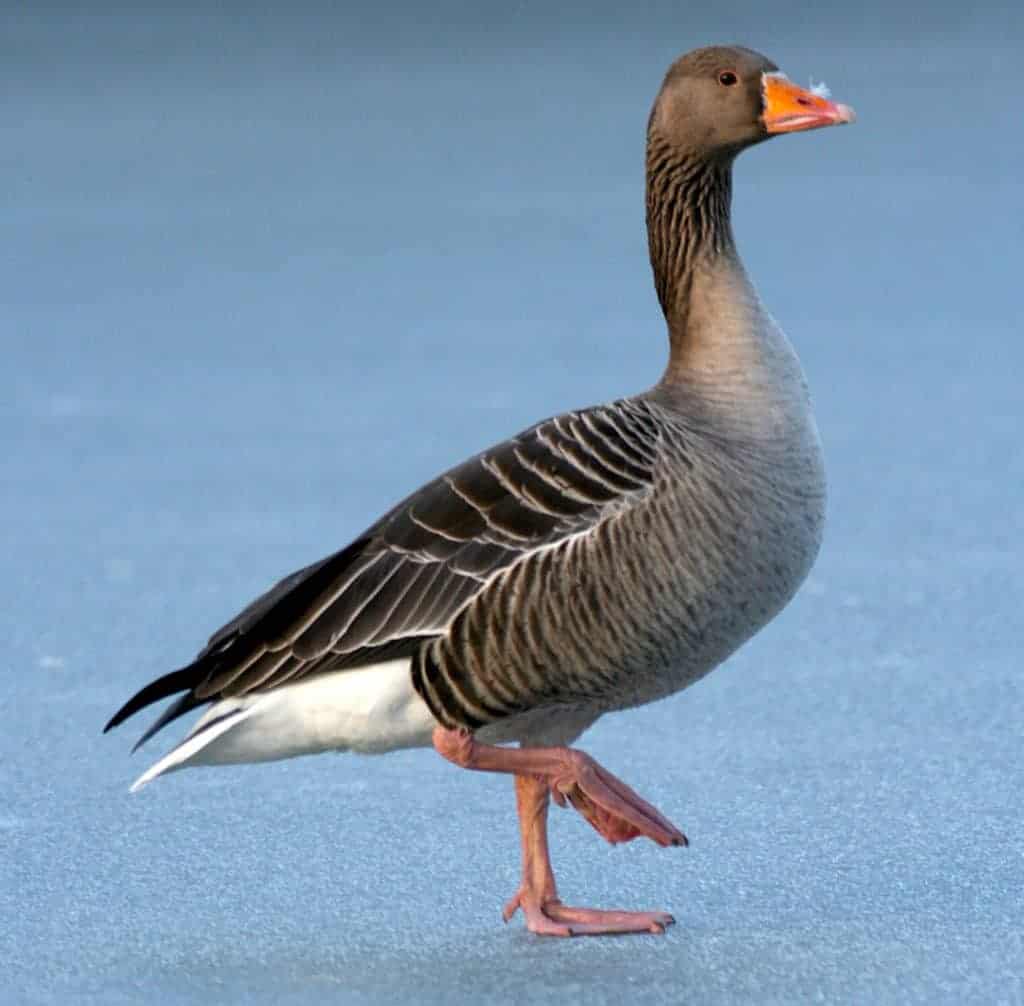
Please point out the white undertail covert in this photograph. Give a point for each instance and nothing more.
(371, 710)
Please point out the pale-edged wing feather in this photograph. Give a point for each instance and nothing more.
(404, 580)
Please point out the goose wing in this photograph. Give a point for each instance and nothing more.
(404, 580)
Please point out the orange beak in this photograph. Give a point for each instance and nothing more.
(788, 108)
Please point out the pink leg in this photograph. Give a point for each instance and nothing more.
(614, 810)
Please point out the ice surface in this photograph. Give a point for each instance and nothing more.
(262, 276)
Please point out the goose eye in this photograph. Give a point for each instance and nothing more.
(727, 78)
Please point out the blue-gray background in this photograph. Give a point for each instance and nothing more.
(263, 273)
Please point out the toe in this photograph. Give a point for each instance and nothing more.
(631, 922)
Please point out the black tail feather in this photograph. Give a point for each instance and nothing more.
(185, 678)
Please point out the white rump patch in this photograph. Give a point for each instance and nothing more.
(372, 710)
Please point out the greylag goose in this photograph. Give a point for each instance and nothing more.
(598, 560)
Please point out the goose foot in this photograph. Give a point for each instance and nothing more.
(612, 808)
(551, 918)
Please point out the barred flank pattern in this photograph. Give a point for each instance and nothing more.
(631, 610)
